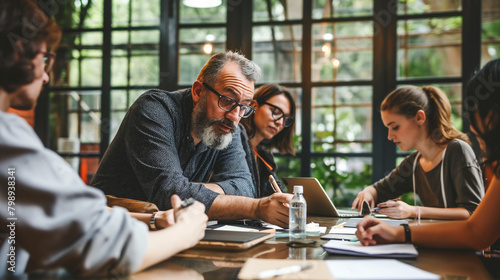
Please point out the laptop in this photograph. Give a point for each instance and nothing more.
(318, 201)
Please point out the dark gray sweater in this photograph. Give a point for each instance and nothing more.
(463, 180)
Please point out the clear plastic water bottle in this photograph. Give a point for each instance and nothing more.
(298, 215)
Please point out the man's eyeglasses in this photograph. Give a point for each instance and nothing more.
(277, 114)
(228, 104)
(48, 61)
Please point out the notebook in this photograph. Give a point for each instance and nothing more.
(318, 202)
(231, 240)
(398, 250)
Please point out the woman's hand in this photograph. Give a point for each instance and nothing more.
(368, 194)
(372, 231)
(396, 209)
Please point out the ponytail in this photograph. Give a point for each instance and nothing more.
(409, 100)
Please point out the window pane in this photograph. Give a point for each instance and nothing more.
(277, 50)
(119, 68)
(342, 51)
(279, 10)
(287, 166)
(342, 178)
(119, 100)
(120, 11)
(430, 47)
(204, 15)
(424, 6)
(145, 13)
(341, 8)
(91, 71)
(90, 127)
(144, 70)
(94, 14)
(490, 34)
(197, 45)
(91, 38)
(116, 120)
(75, 115)
(342, 119)
(91, 10)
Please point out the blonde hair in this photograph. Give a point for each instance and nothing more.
(409, 100)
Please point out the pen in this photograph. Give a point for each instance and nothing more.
(282, 271)
(339, 225)
(379, 207)
(275, 186)
(187, 202)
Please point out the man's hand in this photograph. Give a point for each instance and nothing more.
(372, 231)
(274, 209)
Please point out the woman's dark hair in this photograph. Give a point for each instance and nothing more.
(409, 100)
(23, 29)
(482, 106)
(283, 141)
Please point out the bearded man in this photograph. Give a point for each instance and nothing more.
(182, 143)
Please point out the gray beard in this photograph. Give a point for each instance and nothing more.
(204, 128)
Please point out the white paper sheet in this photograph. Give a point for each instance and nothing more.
(343, 230)
(376, 269)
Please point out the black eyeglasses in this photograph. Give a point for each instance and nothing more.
(278, 114)
(48, 60)
(228, 104)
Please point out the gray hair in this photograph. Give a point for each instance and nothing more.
(210, 71)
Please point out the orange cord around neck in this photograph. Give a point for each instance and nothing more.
(269, 167)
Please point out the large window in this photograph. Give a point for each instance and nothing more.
(339, 58)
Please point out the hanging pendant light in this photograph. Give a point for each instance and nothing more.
(202, 3)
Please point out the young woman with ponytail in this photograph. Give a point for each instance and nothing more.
(443, 170)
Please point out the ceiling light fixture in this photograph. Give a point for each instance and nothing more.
(202, 3)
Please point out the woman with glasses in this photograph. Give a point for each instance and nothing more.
(442, 170)
(270, 127)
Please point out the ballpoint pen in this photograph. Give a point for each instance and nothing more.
(187, 202)
(282, 271)
(273, 183)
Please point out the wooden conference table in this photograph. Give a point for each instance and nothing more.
(210, 264)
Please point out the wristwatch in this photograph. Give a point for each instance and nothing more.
(406, 228)
(152, 221)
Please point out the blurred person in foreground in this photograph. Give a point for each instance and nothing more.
(50, 218)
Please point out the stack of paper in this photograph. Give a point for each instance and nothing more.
(356, 249)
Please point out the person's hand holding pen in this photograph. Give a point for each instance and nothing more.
(396, 209)
(275, 186)
(166, 218)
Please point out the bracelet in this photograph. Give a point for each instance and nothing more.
(407, 233)
(152, 221)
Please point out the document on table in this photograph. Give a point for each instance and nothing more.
(343, 230)
(376, 269)
(385, 250)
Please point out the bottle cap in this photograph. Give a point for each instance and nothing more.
(298, 189)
